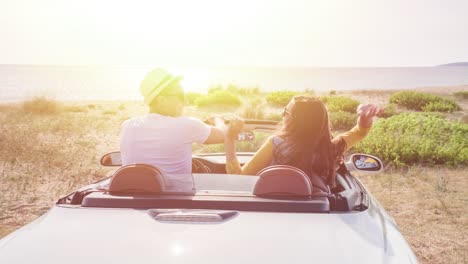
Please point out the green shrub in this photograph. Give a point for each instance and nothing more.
(435, 114)
(109, 112)
(417, 100)
(439, 107)
(410, 99)
(215, 88)
(218, 98)
(280, 98)
(461, 94)
(243, 90)
(191, 97)
(274, 117)
(390, 110)
(253, 113)
(342, 120)
(252, 146)
(340, 103)
(412, 138)
(41, 105)
(308, 92)
(254, 110)
(332, 92)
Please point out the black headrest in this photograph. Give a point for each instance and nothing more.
(282, 180)
(137, 179)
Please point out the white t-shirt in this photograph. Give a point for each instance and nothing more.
(162, 141)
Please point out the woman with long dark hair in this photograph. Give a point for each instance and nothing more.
(305, 140)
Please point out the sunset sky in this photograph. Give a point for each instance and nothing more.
(328, 33)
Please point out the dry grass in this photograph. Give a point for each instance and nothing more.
(42, 105)
(43, 157)
(430, 206)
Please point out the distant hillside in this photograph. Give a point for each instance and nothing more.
(455, 64)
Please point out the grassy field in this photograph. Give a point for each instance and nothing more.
(45, 154)
(430, 206)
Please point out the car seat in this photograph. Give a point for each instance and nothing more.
(137, 179)
(282, 180)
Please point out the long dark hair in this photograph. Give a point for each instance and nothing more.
(308, 141)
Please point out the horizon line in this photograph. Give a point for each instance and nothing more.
(227, 66)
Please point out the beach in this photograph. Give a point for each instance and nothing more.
(94, 83)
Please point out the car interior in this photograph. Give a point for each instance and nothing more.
(278, 188)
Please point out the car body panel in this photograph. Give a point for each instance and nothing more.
(71, 235)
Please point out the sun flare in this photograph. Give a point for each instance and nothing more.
(195, 80)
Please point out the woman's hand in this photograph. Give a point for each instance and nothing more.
(366, 113)
(235, 127)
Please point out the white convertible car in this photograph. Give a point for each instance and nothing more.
(139, 215)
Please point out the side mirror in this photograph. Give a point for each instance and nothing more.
(365, 163)
(246, 136)
(111, 159)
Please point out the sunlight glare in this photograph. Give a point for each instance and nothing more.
(195, 80)
(177, 250)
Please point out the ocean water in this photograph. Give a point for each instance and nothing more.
(22, 82)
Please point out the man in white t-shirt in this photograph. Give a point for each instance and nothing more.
(163, 137)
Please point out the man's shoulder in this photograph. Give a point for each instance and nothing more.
(133, 121)
(189, 119)
(148, 119)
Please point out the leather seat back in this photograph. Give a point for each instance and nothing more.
(282, 180)
(137, 179)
